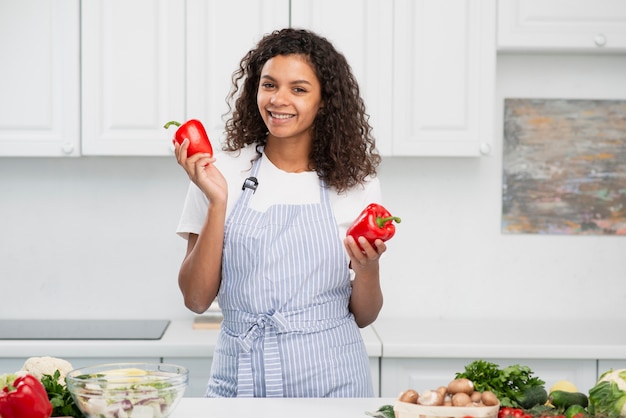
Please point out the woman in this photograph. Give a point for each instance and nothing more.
(266, 221)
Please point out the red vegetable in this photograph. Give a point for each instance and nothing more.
(25, 397)
(195, 132)
(375, 222)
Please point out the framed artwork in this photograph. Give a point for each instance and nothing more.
(564, 167)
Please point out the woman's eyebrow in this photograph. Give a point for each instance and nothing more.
(270, 78)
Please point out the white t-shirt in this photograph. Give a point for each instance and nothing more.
(275, 187)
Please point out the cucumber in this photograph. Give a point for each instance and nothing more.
(562, 399)
(532, 396)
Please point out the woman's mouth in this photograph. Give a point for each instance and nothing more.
(281, 116)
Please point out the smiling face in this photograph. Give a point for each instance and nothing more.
(289, 97)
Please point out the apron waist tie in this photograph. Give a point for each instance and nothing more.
(267, 325)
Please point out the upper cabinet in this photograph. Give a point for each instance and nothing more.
(578, 25)
(443, 77)
(133, 75)
(426, 70)
(219, 34)
(39, 78)
(363, 31)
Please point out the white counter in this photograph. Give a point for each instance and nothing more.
(278, 408)
(179, 340)
(550, 339)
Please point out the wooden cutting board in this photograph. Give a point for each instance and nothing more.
(210, 321)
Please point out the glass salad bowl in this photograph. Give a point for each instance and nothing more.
(135, 390)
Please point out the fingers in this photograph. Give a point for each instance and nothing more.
(367, 253)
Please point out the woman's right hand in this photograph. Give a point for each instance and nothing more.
(200, 169)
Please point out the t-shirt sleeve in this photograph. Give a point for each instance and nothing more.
(349, 205)
(194, 212)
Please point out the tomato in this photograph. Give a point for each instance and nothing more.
(505, 412)
(511, 412)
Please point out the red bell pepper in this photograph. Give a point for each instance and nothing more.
(375, 222)
(195, 132)
(24, 397)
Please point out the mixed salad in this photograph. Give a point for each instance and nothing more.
(126, 393)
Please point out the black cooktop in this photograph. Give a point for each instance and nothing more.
(82, 329)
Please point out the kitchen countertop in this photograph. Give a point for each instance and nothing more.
(278, 407)
(493, 338)
(179, 340)
(387, 338)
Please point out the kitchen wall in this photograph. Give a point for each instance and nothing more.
(94, 237)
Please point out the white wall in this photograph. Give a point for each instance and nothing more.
(94, 237)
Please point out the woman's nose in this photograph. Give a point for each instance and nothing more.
(277, 98)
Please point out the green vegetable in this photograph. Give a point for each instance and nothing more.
(508, 384)
(534, 395)
(385, 411)
(608, 396)
(575, 411)
(563, 399)
(61, 399)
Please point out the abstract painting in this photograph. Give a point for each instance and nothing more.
(564, 167)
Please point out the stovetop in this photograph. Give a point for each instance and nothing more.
(83, 329)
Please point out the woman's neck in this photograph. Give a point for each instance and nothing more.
(292, 157)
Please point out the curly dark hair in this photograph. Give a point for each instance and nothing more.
(344, 150)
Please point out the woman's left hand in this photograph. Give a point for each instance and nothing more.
(368, 258)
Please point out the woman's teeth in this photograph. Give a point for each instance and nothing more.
(280, 115)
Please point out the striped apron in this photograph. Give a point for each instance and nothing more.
(287, 330)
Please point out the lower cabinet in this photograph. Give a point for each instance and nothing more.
(606, 365)
(13, 364)
(199, 371)
(398, 374)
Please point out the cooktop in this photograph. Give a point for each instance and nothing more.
(82, 329)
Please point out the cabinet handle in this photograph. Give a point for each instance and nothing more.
(600, 39)
(67, 148)
(485, 148)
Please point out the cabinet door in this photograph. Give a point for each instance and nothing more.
(443, 77)
(199, 373)
(362, 31)
(133, 75)
(219, 34)
(39, 78)
(598, 25)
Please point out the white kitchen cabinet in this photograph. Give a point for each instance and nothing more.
(610, 364)
(133, 75)
(567, 25)
(13, 364)
(218, 36)
(39, 78)
(363, 32)
(398, 374)
(443, 77)
(199, 372)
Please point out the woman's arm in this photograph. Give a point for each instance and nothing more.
(366, 300)
(200, 273)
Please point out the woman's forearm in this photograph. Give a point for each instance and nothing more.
(366, 300)
(200, 273)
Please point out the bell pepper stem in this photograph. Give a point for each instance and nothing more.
(172, 122)
(382, 221)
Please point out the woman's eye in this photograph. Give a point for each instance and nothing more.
(299, 90)
(267, 85)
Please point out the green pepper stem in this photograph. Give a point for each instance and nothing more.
(382, 221)
(172, 122)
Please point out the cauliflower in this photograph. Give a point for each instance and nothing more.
(39, 366)
(608, 396)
